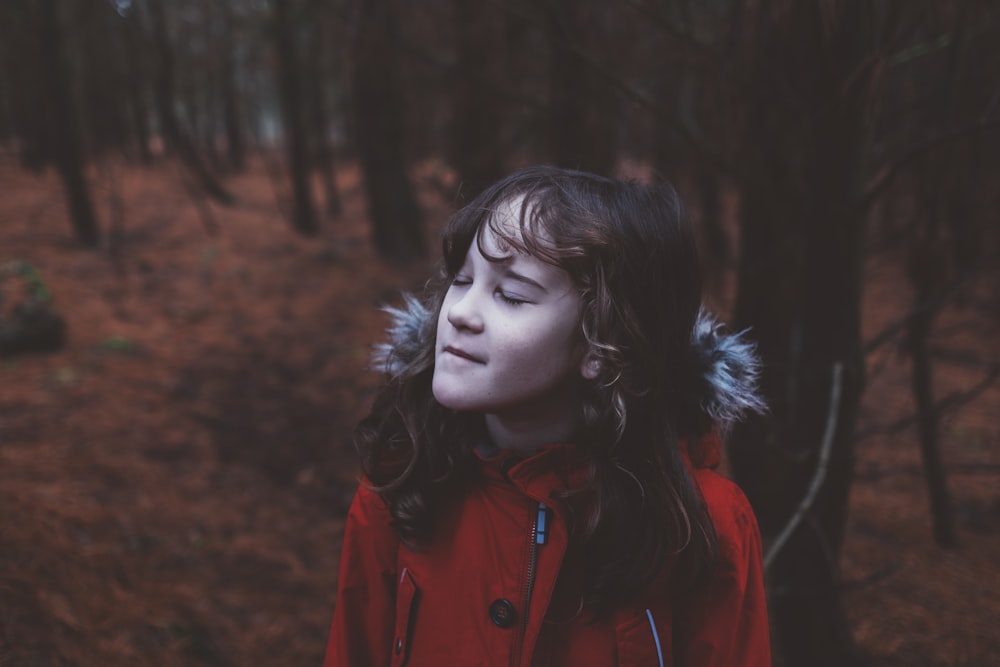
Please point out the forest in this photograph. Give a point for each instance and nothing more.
(204, 205)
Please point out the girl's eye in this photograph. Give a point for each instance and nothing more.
(511, 300)
(460, 281)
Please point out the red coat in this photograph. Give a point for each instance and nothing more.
(461, 601)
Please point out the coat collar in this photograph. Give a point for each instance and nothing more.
(560, 467)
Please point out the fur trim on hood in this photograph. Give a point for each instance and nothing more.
(411, 331)
(728, 363)
(731, 369)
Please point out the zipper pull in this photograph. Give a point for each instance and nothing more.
(542, 524)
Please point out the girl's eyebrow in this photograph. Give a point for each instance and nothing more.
(520, 277)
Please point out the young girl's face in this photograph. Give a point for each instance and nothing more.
(508, 338)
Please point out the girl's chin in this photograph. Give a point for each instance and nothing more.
(451, 399)
(459, 405)
(462, 402)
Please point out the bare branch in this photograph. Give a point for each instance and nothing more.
(952, 401)
(706, 51)
(872, 577)
(711, 154)
(917, 470)
(957, 357)
(826, 446)
(908, 156)
(931, 305)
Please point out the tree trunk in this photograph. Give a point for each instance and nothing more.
(322, 149)
(100, 69)
(7, 124)
(395, 216)
(62, 121)
(927, 427)
(926, 270)
(139, 113)
(477, 152)
(774, 458)
(945, 200)
(716, 253)
(581, 114)
(235, 144)
(800, 290)
(235, 141)
(203, 103)
(137, 75)
(164, 89)
(296, 144)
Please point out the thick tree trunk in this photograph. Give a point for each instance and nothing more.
(395, 216)
(100, 68)
(65, 145)
(297, 147)
(477, 151)
(716, 252)
(800, 290)
(581, 106)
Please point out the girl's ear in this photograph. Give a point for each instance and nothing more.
(590, 366)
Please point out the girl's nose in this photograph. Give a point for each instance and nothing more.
(464, 313)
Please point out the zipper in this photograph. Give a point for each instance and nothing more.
(539, 535)
(656, 637)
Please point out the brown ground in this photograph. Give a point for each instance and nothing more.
(173, 482)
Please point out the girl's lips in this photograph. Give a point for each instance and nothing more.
(459, 352)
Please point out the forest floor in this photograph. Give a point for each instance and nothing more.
(173, 481)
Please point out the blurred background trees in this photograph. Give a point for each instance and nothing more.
(842, 129)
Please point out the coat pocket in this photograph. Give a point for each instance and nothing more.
(641, 643)
(406, 602)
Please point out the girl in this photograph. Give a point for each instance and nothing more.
(538, 465)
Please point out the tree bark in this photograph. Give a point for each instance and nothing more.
(229, 89)
(136, 77)
(100, 69)
(164, 90)
(318, 117)
(139, 113)
(800, 290)
(927, 272)
(395, 216)
(7, 124)
(297, 146)
(581, 114)
(476, 151)
(716, 253)
(62, 121)
(945, 192)
(925, 262)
